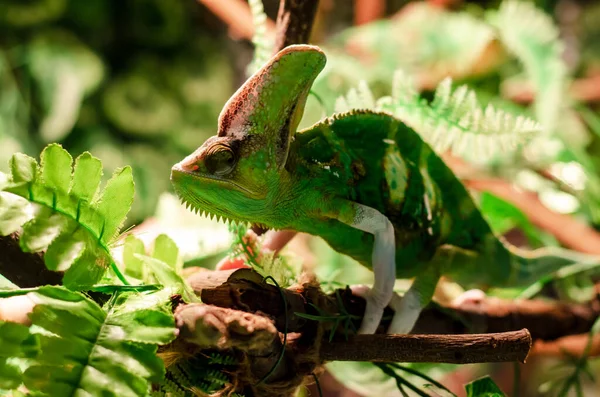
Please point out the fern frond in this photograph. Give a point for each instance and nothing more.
(15, 342)
(167, 276)
(66, 214)
(266, 264)
(221, 359)
(133, 265)
(176, 381)
(263, 46)
(204, 374)
(454, 120)
(164, 249)
(532, 37)
(88, 351)
(357, 98)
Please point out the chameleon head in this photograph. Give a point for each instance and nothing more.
(238, 173)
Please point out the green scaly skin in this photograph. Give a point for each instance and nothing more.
(327, 180)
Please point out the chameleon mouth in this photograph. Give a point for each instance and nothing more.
(219, 216)
(200, 206)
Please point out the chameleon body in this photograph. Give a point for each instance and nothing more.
(363, 181)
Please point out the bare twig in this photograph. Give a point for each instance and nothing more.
(585, 89)
(236, 14)
(573, 345)
(294, 22)
(457, 349)
(366, 11)
(568, 230)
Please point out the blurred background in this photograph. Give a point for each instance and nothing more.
(142, 82)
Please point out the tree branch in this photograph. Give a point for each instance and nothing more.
(294, 22)
(584, 89)
(243, 289)
(22, 268)
(457, 349)
(236, 14)
(567, 229)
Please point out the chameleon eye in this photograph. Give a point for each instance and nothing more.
(220, 160)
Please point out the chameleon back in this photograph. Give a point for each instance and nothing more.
(376, 160)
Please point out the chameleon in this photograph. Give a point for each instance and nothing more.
(363, 181)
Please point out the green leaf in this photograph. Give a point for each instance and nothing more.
(111, 289)
(86, 270)
(166, 250)
(368, 380)
(6, 284)
(39, 232)
(503, 216)
(484, 387)
(65, 250)
(87, 351)
(23, 168)
(86, 177)
(13, 213)
(15, 342)
(168, 277)
(133, 265)
(115, 202)
(133, 311)
(56, 167)
(75, 229)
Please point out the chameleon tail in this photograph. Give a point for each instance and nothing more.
(528, 266)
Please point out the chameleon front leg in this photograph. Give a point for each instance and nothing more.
(408, 308)
(378, 297)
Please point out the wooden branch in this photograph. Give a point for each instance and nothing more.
(567, 229)
(236, 14)
(211, 326)
(585, 89)
(570, 345)
(546, 320)
(243, 289)
(366, 11)
(22, 268)
(457, 349)
(294, 22)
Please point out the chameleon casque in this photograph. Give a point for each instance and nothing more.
(363, 181)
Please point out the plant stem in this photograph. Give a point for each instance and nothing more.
(118, 273)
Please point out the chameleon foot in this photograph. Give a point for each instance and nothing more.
(373, 310)
(470, 297)
(407, 308)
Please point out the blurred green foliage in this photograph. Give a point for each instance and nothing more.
(141, 83)
(136, 82)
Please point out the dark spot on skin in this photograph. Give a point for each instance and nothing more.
(394, 185)
(358, 169)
